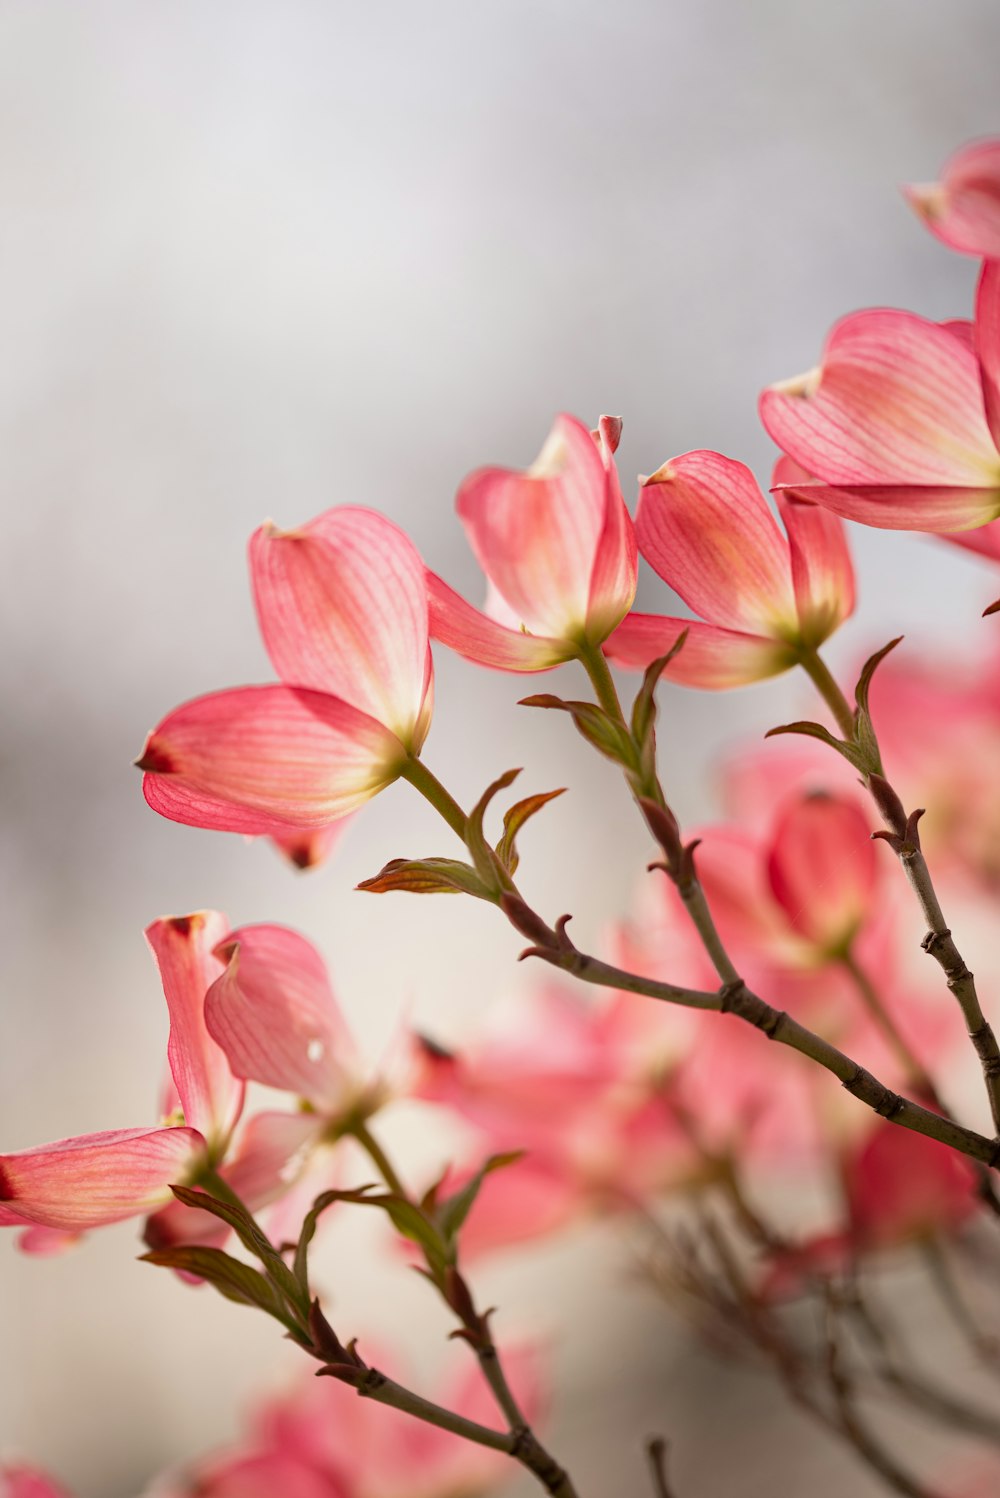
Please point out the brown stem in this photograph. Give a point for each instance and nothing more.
(656, 1451)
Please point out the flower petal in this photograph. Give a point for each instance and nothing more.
(342, 609)
(710, 657)
(308, 847)
(896, 400)
(479, 638)
(963, 209)
(987, 335)
(210, 1096)
(985, 540)
(98, 1178)
(613, 580)
(705, 527)
(242, 760)
(536, 534)
(822, 571)
(25, 1482)
(905, 507)
(822, 868)
(274, 1014)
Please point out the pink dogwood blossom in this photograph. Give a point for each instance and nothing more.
(706, 529)
(963, 208)
(91, 1180)
(557, 546)
(899, 426)
(343, 612)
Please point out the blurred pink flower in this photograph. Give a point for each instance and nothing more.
(343, 611)
(706, 529)
(25, 1482)
(557, 546)
(899, 426)
(963, 208)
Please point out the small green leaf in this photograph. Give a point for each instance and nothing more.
(483, 855)
(309, 1224)
(644, 706)
(428, 876)
(851, 752)
(514, 820)
(231, 1277)
(453, 1211)
(252, 1238)
(611, 738)
(868, 671)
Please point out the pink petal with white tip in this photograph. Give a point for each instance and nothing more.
(705, 527)
(536, 533)
(963, 208)
(98, 1178)
(896, 400)
(613, 580)
(710, 657)
(274, 1014)
(241, 760)
(479, 638)
(210, 1096)
(342, 610)
(823, 868)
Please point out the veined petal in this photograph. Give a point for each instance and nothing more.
(710, 657)
(342, 609)
(822, 571)
(823, 869)
(274, 1014)
(705, 527)
(210, 1096)
(479, 638)
(98, 1178)
(241, 760)
(987, 335)
(613, 580)
(936, 508)
(536, 533)
(963, 209)
(896, 400)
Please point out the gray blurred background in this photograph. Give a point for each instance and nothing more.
(260, 258)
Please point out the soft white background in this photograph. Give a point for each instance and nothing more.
(260, 258)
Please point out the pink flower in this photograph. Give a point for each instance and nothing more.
(593, 1115)
(705, 527)
(963, 208)
(319, 1440)
(274, 1015)
(88, 1181)
(900, 423)
(343, 612)
(557, 546)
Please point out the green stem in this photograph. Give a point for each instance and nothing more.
(822, 678)
(375, 1385)
(426, 782)
(592, 659)
(377, 1154)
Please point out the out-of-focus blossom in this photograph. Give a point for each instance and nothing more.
(761, 596)
(557, 546)
(899, 425)
(564, 1083)
(26, 1482)
(65, 1188)
(963, 208)
(343, 611)
(319, 1440)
